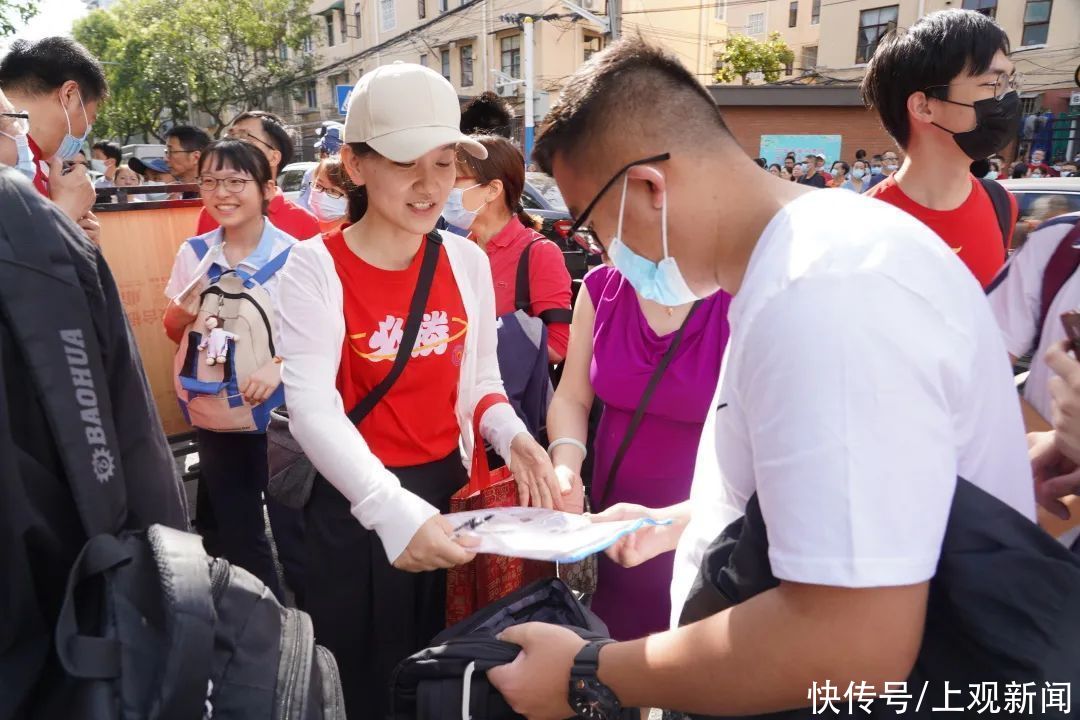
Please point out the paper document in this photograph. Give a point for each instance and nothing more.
(538, 534)
(203, 268)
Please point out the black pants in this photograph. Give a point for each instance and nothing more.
(233, 468)
(370, 615)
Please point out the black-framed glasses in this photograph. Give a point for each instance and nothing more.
(585, 236)
(234, 185)
(1002, 85)
(21, 120)
(169, 153)
(328, 190)
(245, 136)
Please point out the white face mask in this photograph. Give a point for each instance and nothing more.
(858, 174)
(992, 175)
(327, 209)
(98, 166)
(25, 163)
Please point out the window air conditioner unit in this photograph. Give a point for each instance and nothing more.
(588, 4)
(506, 90)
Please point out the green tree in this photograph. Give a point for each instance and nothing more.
(743, 55)
(167, 58)
(14, 13)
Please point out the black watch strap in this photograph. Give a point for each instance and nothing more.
(587, 661)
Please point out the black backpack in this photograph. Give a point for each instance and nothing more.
(431, 685)
(150, 626)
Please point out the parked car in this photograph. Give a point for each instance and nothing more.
(542, 198)
(1039, 199)
(291, 178)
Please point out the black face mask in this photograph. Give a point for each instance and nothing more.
(997, 123)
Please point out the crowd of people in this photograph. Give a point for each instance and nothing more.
(759, 357)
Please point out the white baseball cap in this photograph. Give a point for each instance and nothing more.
(404, 110)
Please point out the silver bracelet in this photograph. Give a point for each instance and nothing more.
(568, 441)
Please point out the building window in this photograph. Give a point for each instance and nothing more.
(815, 12)
(308, 46)
(444, 61)
(421, 9)
(789, 67)
(423, 59)
(511, 55)
(986, 7)
(466, 66)
(358, 16)
(593, 44)
(444, 5)
(874, 25)
(1036, 22)
(809, 58)
(721, 9)
(755, 24)
(311, 95)
(388, 17)
(793, 14)
(283, 52)
(329, 29)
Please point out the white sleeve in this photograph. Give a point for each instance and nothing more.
(846, 409)
(311, 349)
(1016, 296)
(186, 262)
(500, 425)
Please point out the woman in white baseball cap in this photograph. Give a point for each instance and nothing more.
(383, 426)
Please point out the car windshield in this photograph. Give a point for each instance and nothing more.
(545, 184)
(290, 180)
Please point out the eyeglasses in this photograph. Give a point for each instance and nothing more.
(329, 191)
(234, 185)
(1002, 85)
(169, 153)
(20, 119)
(245, 136)
(585, 236)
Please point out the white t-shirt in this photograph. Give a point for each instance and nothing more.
(1016, 298)
(864, 373)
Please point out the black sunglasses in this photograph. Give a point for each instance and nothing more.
(585, 236)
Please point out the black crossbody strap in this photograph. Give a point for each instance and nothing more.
(643, 404)
(432, 250)
(523, 293)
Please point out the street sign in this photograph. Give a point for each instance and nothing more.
(344, 92)
(1074, 100)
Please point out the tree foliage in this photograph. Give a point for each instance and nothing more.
(15, 13)
(167, 58)
(743, 55)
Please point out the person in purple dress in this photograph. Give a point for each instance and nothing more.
(617, 340)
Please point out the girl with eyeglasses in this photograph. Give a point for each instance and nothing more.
(268, 134)
(329, 198)
(236, 188)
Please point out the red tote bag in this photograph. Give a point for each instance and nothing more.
(488, 578)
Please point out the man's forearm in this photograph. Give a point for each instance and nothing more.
(765, 654)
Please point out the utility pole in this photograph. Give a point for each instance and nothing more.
(528, 50)
(615, 19)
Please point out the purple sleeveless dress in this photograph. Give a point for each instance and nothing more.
(659, 465)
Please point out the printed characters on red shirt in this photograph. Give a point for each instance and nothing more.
(416, 422)
(971, 229)
(549, 280)
(286, 216)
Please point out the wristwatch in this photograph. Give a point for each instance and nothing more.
(590, 698)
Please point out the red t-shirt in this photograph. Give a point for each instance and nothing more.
(549, 280)
(285, 215)
(41, 181)
(416, 422)
(971, 230)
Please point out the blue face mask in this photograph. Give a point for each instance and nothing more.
(71, 146)
(661, 282)
(455, 211)
(25, 164)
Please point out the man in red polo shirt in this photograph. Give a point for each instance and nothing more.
(59, 84)
(946, 103)
(267, 132)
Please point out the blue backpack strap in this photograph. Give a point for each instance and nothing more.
(267, 271)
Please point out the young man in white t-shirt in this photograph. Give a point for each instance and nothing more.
(864, 374)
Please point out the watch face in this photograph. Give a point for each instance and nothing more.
(593, 701)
